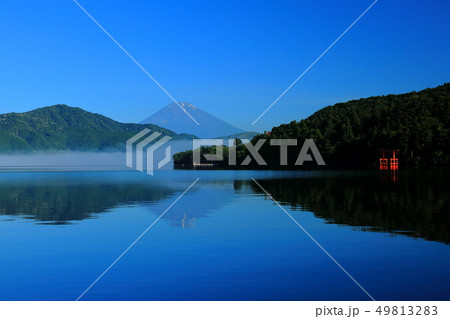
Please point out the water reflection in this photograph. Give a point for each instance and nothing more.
(58, 198)
(392, 176)
(185, 222)
(205, 199)
(414, 204)
(409, 203)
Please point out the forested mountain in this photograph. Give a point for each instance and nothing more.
(349, 134)
(61, 127)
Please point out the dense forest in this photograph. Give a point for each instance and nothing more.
(61, 127)
(349, 135)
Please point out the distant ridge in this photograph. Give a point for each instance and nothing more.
(246, 135)
(174, 118)
(61, 127)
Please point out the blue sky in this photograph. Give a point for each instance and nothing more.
(231, 58)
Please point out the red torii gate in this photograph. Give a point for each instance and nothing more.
(390, 155)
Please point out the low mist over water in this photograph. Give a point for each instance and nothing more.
(63, 160)
(54, 160)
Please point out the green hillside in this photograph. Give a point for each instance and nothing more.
(349, 134)
(61, 127)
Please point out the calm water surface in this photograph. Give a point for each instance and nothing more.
(225, 239)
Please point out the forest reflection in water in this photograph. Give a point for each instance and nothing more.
(411, 203)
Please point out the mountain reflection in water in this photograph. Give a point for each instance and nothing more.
(412, 203)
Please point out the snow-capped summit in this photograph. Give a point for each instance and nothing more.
(174, 118)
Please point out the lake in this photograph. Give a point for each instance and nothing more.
(225, 239)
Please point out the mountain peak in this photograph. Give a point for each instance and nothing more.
(182, 104)
(175, 119)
